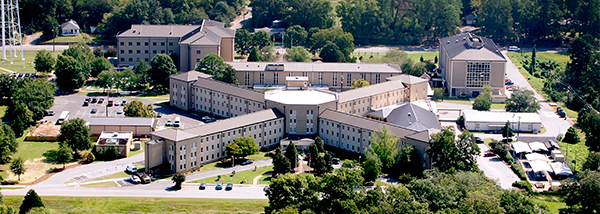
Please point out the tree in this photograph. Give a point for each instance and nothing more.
(37, 95)
(331, 53)
(343, 40)
(73, 66)
(414, 69)
(438, 94)
(21, 118)
(371, 167)
(592, 162)
(385, 146)
(297, 54)
(44, 61)
(31, 200)
(100, 64)
(507, 131)
(281, 164)
(291, 153)
(17, 167)
(8, 143)
(522, 100)
(533, 61)
(178, 178)
(483, 102)
(584, 196)
(254, 56)
(111, 153)
(448, 154)
(229, 75)
(211, 64)
(136, 108)
(142, 69)
(261, 39)
(301, 191)
(75, 135)
(320, 160)
(359, 83)
(571, 136)
(242, 147)
(162, 68)
(267, 54)
(295, 35)
(8, 86)
(589, 121)
(338, 191)
(497, 18)
(580, 52)
(243, 41)
(61, 155)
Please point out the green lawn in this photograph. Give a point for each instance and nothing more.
(156, 99)
(26, 66)
(552, 203)
(113, 176)
(575, 152)
(62, 204)
(571, 113)
(468, 102)
(2, 111)
(29, 150)
(239, 176)
(415, 56)
(65, 39)
(132, 153)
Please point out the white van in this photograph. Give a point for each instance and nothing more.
(177, 122)
(63, 117)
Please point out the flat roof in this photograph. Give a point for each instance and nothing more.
(115, 135)
(318, 67)
(122, 121)
(300, 97)
(500, 117)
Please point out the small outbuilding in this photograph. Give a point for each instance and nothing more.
(139, 126)
(123, 141)
(495, 121)
(70, 28)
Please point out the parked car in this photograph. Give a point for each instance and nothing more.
(26, 74)
(94, 100)
(158, 114)
(514, 48)
(86, 103)
(562, 113)
(101, 100)
(266, 188)
(229, 186)
(145, 178)
(489, 154)
(509, 83)
(335, 161)
(247, 162)
(135, 179)
(20, 75)
(219, 186)
(93, 111)
(87, 99)
(558, 108)
(116, 103)
(169, 123)
(50, 113)
(478, 140)
(202, 186)
(131, 169)
(120, 111)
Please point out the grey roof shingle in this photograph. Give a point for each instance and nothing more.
(407, 79)
(458, 48)
(190, 76)
(230, 89)
(319, 66)
(69, 25)
(121, 121)
(369, 91)
(208, 33)
(411, 116)
(175, 134)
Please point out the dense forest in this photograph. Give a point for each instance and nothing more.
(112, 16)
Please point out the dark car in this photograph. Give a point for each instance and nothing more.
(478, 140)
(335, 161)
(20, 75)
(94, 100)
(86, 103)
(158, 114)
(202, 186)
(247, 162)
(489, 154)
(87, 99)
(124, 102)
(26, 74)
(101, 100)
(562, 113)
(229, 186)
(94, 111)
(219, 186)
(509, 83)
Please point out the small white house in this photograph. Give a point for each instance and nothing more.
(69, 28)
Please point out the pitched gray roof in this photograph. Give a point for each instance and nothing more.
(411, 116)
(121, 121)
(219, 126)
(407, 79)
(318, 66)
(230, 89)
(208, 33)
(69, 25)
(158, 30)
(464, 47)
(369, 91)
(365, 123)
(190, 76)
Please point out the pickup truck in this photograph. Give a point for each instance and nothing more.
(145, 178)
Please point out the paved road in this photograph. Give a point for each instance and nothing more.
(495, 169)
(240, 21)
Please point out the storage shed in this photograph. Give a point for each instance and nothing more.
(495, 121)
(139, 126)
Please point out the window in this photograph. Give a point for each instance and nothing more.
(145, 43)
(137, 43)
(130, 59)
(262, 77)
(130, 43)
(377, 78)
(122, 51)
(320, 78)
(122, 59)
(275, 78)
(145, 51)
(162, 51)
(122, 43)
(154, 51)
(138, 51)
(162, 44)
(198, 52)
(153, 43)
(304, 74)
(348, 79)
(334, 79)
(478, 74)
(247, 78)
(363, 76)
(170, 44)
(130, 51)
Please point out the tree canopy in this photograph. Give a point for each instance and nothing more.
(385, 146)
(37, 95)
(522, 100)
(242, 147)
(214, 65)
(162, 67)
(75, 134)
(31, 200)
(483, 102)
(8, 143)
(44, 61)
(297, 54)
(17, 167)
(359, 83)
(449, 154)
(136, 108)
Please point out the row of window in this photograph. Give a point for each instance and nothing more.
(145, 43)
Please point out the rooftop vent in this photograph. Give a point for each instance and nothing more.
(457, 40)
(409, 114)
(115, 134)
(448, 42)
(133, 31)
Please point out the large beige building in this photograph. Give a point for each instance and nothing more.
(189, 42)
(330, 75)
(300, 111)
(469, 62)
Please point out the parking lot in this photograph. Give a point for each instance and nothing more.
(74, 104)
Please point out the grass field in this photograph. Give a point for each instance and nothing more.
(552, 203)
(155, 99)
(107, 184)
(30, 151)
(415, 56)
(2, 111)
(113, 176)
(132, 153)
(575, 152)
(144, 205)
(65, 39)
(239, 176)
(26, 66)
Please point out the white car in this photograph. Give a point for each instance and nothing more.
(135, 179)
(514, 48)
(169, 123)
(131, 169)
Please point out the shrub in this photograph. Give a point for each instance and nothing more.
(518, 170)
(112, 153)
(89, 157)
(524, 184)
(460, 121)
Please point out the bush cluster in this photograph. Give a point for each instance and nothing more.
(106, 154)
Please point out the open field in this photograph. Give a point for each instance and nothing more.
(144, 205)
(239, 176)
(575, 152)
(415, 56)
(107, 184)
(552, 203)
(26, 66)
(66, 39)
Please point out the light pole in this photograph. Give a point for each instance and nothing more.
(519, 131)
(53, 40)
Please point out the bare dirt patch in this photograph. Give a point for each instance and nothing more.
(44, 132)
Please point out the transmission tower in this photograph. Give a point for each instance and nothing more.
(11, 30)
